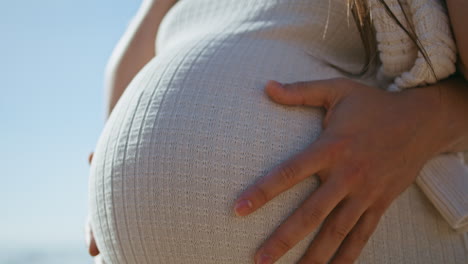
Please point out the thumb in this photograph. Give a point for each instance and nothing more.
(311, 93)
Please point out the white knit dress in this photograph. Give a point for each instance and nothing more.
(194, 129)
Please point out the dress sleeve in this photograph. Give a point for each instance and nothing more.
(444, 180)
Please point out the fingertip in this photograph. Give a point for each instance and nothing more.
(273, 87)
(263, 259)
(243, 207)
(274, 90)
(274, 84)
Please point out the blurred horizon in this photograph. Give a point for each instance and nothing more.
(53, 54)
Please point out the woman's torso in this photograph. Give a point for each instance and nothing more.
(194, 129)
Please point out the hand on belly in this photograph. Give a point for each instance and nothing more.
(366, 156)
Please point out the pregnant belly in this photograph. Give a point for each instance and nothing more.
(192, 131)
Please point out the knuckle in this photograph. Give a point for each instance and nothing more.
(356, 173)
(339, 231)
(311, 217)
(288, 174)
(260, 194)
(281, 244)
(337, 147)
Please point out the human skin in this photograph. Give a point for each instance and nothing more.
(390, 136)
(449, 97)
(134, 49)
(457, 10)
(372, 147)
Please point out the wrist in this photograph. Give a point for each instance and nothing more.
(424, 107)
(442, 109)
(454, 102)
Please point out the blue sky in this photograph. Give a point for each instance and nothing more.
(52, 59)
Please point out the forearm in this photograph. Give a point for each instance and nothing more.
(454, 97)
(135, 49)
(457, 12)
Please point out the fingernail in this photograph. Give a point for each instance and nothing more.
(265, 259)
(277, 84)
(243, 207)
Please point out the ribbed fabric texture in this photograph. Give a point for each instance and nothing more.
(400, 57)
(194, 129)
(443, 179)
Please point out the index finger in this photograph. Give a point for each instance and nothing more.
(302, 165)
(302, 222)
